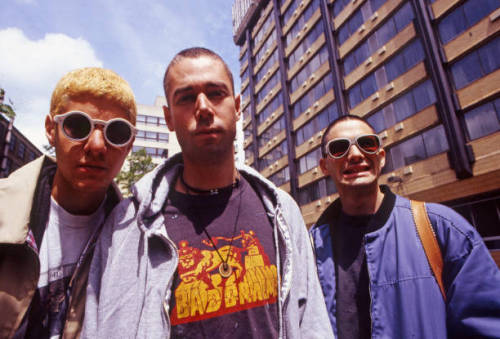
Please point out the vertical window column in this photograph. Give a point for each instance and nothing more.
(286, 100)
(461, 156)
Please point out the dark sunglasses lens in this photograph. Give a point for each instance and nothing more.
(369, 143)
(337, 148)
(118, 132)
(77, 126)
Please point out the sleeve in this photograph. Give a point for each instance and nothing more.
(471, 278)
(313, 316)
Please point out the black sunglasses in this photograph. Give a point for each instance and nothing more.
(78, 126)
(368, 143)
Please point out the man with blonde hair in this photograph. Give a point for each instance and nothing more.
(51, 210)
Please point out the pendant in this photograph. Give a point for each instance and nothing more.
(225, 270)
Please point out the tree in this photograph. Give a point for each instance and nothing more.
(137, 164)
(4, 108)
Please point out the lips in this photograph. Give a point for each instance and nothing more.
(207, 131)
(354, 170)
(92, 167)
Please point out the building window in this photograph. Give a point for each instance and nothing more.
(262, 50)
(301, 21)
(313, 65)
(483, 212)
(12, 144)
(316, 190)
(396, 66)
(465, 16)
(8, 166)
(416, 149)
(276, 154)
(248, 153)
(313, 95)
(247, 131)
(271, 107)
(483, 120)
(272, 131)
(31, 155)
(281, 177)
(244, 58)
(405, 106)
(476, 64)
(301, 49)
(267, 65)
(357, 19)
(21, 149)
(263, 30)
(309, 161)
(316, 124)
(267, 87)
(380, 37)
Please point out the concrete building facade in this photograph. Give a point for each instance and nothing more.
(424, 73)
(153, 134)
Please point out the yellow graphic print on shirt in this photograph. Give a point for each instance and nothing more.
(203, 293)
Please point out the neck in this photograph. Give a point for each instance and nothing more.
(207, 176)
(361, 200)
(77, 202)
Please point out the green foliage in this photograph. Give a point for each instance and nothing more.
(139, 163)
(7, 110)
(4, 108)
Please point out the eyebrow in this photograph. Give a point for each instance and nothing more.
(207, 85)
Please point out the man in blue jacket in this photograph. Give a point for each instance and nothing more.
(371, 263)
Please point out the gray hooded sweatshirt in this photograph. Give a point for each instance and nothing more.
(134, 262)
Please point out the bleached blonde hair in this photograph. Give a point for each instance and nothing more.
(96, 83)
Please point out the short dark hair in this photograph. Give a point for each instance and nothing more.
(195, 52)
(335, 122)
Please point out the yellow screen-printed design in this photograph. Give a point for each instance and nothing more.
(203, 293)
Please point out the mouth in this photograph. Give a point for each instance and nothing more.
(355, 170)
(92, 167)
(204, 131)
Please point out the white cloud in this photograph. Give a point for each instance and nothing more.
(30, 69)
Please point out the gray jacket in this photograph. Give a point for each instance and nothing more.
(135, 261)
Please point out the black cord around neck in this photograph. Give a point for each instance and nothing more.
(212, 191)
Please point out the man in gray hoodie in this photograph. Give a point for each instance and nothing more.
(204, 248)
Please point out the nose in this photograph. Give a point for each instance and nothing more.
(203, 107)
(354, 152)
(96, 143)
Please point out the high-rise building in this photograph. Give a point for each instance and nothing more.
(424, 73)
(153, 134)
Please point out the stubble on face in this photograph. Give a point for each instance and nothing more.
(203, 110)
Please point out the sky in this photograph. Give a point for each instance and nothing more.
(41, 40)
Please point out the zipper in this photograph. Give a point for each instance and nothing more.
(164, 236)
(369, 287)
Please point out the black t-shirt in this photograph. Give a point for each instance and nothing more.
(353, 297)
(353, 282)
(203, 302)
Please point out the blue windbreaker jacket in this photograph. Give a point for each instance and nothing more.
(405, 299)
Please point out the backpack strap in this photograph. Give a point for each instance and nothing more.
(429, 242)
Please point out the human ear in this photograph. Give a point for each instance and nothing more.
(168, 118)
(50, 129)
(237, 106)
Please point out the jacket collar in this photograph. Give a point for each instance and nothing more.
(151, 191)
(331, 214)
(18, 192)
